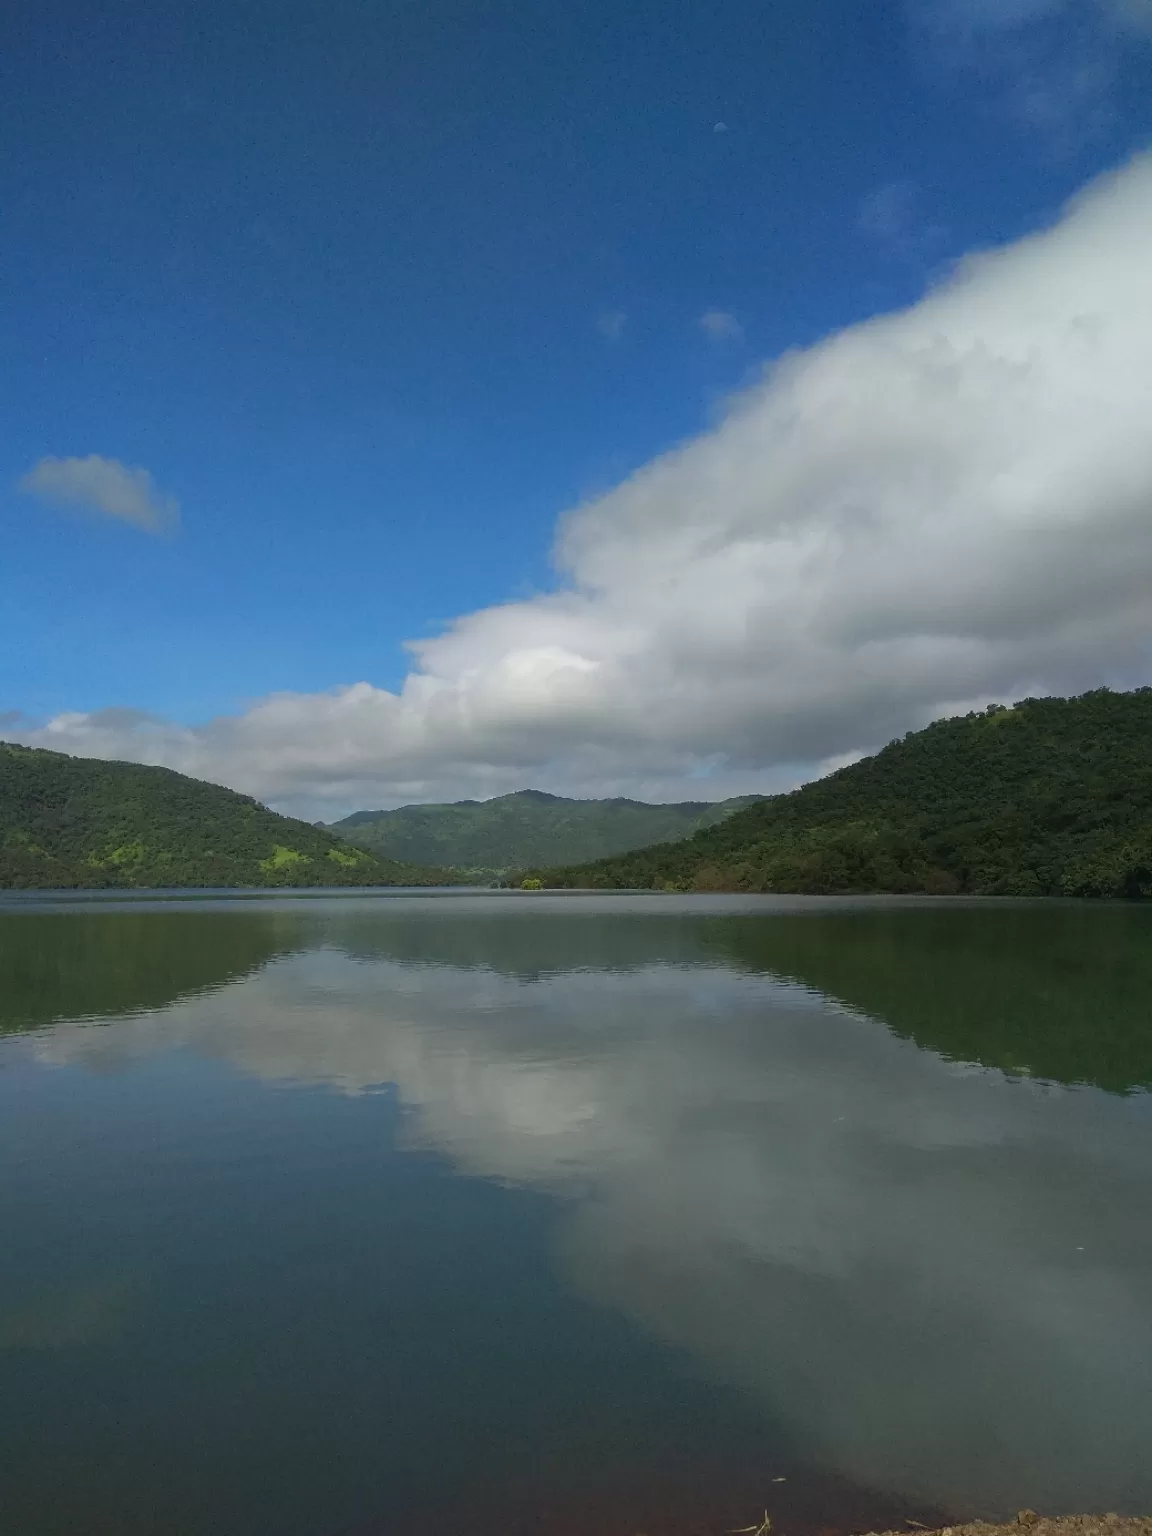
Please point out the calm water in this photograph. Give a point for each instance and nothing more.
(531, 1214)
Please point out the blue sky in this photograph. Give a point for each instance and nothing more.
(378, 291)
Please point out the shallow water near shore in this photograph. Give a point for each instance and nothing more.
(529, 1213)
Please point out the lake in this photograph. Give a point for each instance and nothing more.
(571, 1215)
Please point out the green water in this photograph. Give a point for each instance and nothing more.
(500, 1213)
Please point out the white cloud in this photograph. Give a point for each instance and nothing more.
(1052, 63)
(719, 325)
(936, 507)
(889, 213)
(1009, 15)
(994, 15)
(118, 490)
(1136, 13)
(891, 218)
(611, 324)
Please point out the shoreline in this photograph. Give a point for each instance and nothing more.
(1029, 1523)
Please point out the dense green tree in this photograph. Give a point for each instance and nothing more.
(485, 838)
(1052, 797)
(68, 822)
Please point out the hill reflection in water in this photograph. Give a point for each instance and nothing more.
(775, 1149)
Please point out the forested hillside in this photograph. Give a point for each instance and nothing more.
(68, 822)
(1050, 797)
(487, 837)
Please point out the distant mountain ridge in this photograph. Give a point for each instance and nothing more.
(74, 822)
(1049, 797)
(488, 837)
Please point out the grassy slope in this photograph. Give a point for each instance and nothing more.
(1051, 797)
(69, 822)
(529, 827)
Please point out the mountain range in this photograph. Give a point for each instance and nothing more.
(1048, 797)
(486, 838)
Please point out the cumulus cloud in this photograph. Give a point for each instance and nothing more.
(719, 325)
(123, 491)
(938, 507)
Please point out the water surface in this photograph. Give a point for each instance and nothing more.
(571, 1214)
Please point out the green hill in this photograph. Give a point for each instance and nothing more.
(1052, 797)
(487, 837)
(68, 822)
